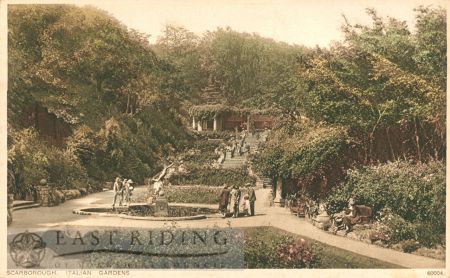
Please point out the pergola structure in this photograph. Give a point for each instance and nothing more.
(215, 115)
(218, 117)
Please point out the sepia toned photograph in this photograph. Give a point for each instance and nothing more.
(146, 136)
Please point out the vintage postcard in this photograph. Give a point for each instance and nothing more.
(218, 138)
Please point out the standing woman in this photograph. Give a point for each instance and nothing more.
(118, 191)
(235, 199)
(128, 188)
(223, 200)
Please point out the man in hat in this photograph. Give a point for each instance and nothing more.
(252, 199)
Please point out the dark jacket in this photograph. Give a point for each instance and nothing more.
(251, 195)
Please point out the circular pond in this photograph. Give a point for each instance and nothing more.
(147, 212)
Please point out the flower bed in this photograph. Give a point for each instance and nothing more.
(267, 247)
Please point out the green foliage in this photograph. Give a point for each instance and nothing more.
(133, 147)
(381, 76)
(208, 111)
(102, 80)
(415, 193)
(261, 248)
(299, 149)
(200, 152)
(38, 161)
(213, 177)
(263, 243)
(251, 69)
(296, 254)
(181, 52)
(69, 61)
(193, 194)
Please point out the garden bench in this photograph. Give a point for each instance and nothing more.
(360, 215)
(298, 207)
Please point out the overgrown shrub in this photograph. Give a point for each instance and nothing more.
(125, 146)
(415, 193)
(33, 160)
(308, 153)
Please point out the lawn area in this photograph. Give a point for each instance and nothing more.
(263, 243)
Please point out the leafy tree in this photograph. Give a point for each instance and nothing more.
(372, 82)
(180, 51)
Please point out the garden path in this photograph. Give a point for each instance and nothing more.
(43, 218)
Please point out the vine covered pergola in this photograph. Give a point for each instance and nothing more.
(219, 117)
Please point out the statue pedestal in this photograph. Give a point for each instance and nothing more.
(278, 200)
(44, 196)
(161, 207)
(10, 208)
(323, 220)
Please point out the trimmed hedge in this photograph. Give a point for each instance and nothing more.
(213, 177)
(195, 194)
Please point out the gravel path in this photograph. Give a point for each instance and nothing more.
(62, 216)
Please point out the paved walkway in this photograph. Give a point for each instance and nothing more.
(62, 216)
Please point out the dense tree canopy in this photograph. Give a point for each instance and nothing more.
(379, 93)
(384, 85)
(103, 81)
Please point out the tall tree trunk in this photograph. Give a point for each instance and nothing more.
(390, 144)
(36, 116)
(128, 104)
(98, 88)
(416, 135)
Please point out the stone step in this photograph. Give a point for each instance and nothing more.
(20, 203)
(232, 164)
(34, 205)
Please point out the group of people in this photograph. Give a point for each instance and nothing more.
(122, 189)
(232, 198)
(238, 145)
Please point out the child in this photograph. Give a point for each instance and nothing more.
(246, 205)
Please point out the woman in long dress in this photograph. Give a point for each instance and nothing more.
(235, 197)
(223, 200)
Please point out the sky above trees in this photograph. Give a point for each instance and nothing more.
(299, 22)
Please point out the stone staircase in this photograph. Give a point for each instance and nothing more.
(267, 182)
(235, 162)
(238, 161)
(19, 204)
(253, 142)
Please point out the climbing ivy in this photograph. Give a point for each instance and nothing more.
(208, 111)
(303, 150)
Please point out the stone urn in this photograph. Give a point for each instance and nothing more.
(323, 220)
(44, 194)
